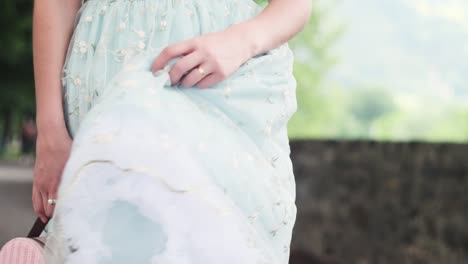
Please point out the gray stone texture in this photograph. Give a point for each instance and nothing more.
(358, 202)
(375, 202)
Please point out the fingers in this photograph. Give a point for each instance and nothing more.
(194, 52)
(38, 204)
(196, 75)
(44, 202)
(184, 65)
(170, 52)
(210, 80)
(49, 209)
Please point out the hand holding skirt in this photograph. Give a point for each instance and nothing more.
(164, 174)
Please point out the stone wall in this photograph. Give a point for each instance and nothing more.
(358, 203)
(372, 202)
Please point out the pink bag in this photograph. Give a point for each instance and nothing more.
(25, 250)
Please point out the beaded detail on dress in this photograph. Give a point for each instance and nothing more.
(193, 175)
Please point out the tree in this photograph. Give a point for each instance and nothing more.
(313, 60)
(15, 65)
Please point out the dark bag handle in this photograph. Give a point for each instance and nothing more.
(37, 228)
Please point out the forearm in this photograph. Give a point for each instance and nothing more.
(279, 22)
(52, 27)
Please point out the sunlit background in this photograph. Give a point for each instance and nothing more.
(385, 70)
(378, 142)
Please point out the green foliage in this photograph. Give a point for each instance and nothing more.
(313, 59)
(369, 112)
(261, 2)
(367, 105)
(325, 110)
(16, 69)
(16, 59)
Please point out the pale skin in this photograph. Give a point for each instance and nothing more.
(219, 54)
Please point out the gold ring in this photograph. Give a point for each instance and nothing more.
(201, 71)
(51, 201)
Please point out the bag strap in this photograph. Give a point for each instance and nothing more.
(39, 241)
(37, 228)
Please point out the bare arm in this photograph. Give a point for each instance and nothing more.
(53, 22)
(217, 55)
(52, 27)
(279, 22)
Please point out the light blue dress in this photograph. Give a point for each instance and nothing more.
(169, 175)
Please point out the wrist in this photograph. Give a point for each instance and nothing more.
(250, 37)
(49, 125)
(52, 139)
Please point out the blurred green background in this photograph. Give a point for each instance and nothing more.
(383, 70)
(393, 71)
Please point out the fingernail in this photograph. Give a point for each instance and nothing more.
(155, 73)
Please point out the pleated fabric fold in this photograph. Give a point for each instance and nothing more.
(164, 174)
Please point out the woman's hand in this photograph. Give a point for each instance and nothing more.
(52, 152)
(53, 25)
(207, 59)
(219, 54)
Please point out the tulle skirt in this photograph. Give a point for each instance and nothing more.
(164, 174)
